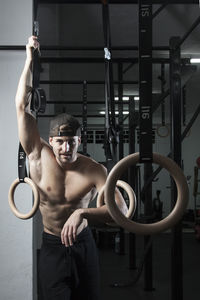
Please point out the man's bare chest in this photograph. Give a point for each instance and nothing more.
(58, 186)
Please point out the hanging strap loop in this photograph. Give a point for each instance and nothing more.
(22, 171)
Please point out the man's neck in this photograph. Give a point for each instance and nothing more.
(68, 165)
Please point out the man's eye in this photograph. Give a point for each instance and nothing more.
(72, 142)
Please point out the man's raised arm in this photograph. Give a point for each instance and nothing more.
(27, 127)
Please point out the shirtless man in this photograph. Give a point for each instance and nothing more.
(66, 180)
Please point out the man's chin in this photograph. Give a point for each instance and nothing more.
(65, 158)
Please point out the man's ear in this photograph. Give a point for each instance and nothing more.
(50, 140)
(79, 140)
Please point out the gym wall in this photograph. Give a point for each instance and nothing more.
(15, 234)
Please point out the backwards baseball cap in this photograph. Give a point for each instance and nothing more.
(64, 125)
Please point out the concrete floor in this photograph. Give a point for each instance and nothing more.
(115, 268)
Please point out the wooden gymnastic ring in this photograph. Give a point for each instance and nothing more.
(131, 195)
(171, 219)
(11, 201)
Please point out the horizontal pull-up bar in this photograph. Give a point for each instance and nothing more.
(76, 116)
(118, 1)
(77, 102)
(81, 82)
(80, 48)
(54, 59)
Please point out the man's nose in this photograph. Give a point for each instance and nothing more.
(66, 146)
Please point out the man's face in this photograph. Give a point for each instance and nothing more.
(65, 148)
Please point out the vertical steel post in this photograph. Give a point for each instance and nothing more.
(175, 104)
(132, 178)
(121, 137)
(84, 119)
(184, 105)
(120, 109)
(148, 266)
(162, 91)
(35, 9)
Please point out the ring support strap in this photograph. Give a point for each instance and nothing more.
(36, 58)
(22, 172)
(38, 99)
(110, 140)
(145, 81)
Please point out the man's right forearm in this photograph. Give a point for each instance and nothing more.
(24, 86)
(25, 82)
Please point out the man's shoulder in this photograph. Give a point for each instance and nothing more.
(45, 145)
(44, 151)
(91, 164)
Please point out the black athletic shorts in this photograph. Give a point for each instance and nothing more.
(69, 273)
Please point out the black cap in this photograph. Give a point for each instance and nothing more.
(64, 125)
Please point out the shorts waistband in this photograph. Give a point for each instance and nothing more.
(56, 240)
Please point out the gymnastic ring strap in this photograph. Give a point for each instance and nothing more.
(166, 223)
(11, 201)
(131, 195)
(38, 100)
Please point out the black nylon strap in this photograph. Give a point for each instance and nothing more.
(111, 138)
(36, 59)
(22, 171)
(145, 80)
(38, 99)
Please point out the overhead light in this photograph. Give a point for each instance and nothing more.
(125, 98)
(195, 60)
(116, 112)
(136, 98)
